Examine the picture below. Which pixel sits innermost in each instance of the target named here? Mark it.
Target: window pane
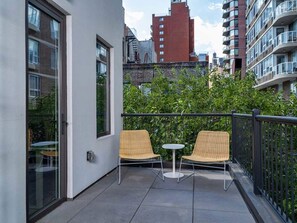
(102, 90)
(33, 16)
(33, 52)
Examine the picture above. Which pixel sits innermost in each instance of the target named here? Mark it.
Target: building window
(161, 32)
(34, 86)
(54, 59)
(54, 29)
(161, 26)
(33, 52)
(294, 88)
(33, 16)
(161, 45)
(161, 39)
(161, 59)
(102, 89)
(161, 52)
(161, 19)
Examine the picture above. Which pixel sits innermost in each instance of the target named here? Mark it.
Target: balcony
(267, 161)
(282, 72)
(226, 31)
(226, 13)
(226, 22)
(285, 13)
(226, 40)
(143, 197)
(226, 49)
(226, 4)
(285, 42)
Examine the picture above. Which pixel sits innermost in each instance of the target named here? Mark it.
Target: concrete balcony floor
(142, 197)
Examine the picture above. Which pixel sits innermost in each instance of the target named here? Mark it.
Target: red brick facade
(177, 31)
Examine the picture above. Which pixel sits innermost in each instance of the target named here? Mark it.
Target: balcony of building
(226, 49)
(226, 31)
(226, 40)
(258, 167)
(226, 22)
(285, 42)
(282, 72)
(226, 13)
(226, 4)
(285, 13)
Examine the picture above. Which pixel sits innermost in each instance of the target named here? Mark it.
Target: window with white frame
(102, 89)
(161, 32)
(33, 16)
(161, 52)
(161, 59)
(161, 26)
(161, 19)
(54, 29)
(161, 39)
(161, 45)
(34, 86)
(33, 52)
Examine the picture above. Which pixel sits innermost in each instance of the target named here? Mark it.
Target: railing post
(234, 133)
(257, 163)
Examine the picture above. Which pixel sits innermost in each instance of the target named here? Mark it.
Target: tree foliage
(197, 93)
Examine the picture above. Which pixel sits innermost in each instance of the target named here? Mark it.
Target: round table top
(173, 146)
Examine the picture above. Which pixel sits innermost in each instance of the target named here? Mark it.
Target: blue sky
(207, 15)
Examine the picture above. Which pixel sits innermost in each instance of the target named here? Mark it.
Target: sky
(206, 13)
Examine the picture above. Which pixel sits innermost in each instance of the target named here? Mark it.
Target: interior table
(173, 147)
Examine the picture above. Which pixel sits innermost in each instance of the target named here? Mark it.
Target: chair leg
(226, 187)
(161, 163)
(193, 173)
(119, 171)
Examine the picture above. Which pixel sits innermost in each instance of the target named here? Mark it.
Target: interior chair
(50, 156)
(211, 147)
(136, 148)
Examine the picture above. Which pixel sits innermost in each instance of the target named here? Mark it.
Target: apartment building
(272, 43)
(173, 34)
(234, 35)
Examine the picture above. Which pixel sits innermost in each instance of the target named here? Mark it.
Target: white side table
(173, 147)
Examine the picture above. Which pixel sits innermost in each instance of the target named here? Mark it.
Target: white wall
(84, 23)
(12, 112)
(85, 20)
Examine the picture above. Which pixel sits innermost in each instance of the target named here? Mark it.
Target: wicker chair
(211, 147)
(135, 147)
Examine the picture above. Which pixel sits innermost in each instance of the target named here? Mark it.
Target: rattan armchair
(136, 148)
(211, 147)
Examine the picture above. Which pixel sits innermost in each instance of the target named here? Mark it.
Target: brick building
(173, 34)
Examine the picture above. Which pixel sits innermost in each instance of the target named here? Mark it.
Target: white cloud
(215, 6)
(133, 18)
(208, 37)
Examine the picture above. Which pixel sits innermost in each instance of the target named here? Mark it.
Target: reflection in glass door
(44, 111)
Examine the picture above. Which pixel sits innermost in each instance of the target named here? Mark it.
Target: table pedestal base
(173, 175)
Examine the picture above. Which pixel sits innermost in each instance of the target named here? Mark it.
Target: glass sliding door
(45, 108)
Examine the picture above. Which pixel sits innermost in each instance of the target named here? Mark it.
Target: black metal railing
(242, 147)
(277, 170)
(264, 146)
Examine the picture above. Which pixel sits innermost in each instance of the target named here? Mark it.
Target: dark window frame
(105, 60)
(55, 13)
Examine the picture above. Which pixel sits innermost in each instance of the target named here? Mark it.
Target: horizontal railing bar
(277, 119)
(175, 114)
(242, 115)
